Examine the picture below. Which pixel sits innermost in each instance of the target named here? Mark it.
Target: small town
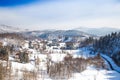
(59, 39)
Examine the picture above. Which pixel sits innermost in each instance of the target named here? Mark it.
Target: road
(110, 64)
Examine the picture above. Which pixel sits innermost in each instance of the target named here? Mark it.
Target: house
(25, 44)
(73, 42)
(62, 45)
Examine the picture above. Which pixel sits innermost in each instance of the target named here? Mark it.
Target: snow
(11, 58)
(115, 67)
(56, 57)
(69, 40)
(7, 28)
(5, 43)
(83, 52)
(42, 57)
(93, 74)
(22, 66)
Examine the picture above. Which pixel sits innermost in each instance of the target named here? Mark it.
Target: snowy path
(108, 63)
(111, 63)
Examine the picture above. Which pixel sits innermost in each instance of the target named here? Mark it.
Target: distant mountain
(98, 31)
(9, 29)
(53, 34)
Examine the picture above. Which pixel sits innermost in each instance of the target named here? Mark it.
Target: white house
(26, 44)
(62, 45)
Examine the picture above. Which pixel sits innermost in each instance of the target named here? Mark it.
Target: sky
(60, 14)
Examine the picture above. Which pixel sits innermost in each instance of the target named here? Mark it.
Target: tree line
(109, 45)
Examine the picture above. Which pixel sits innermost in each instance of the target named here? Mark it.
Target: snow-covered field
(91, 73)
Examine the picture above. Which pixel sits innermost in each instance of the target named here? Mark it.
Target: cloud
(63, 14)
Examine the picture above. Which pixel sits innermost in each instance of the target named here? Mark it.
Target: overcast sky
(60, 14)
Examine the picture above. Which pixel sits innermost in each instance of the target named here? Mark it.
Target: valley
(58, 55)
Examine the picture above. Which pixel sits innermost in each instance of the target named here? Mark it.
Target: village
(59, 46)
(41, 55)
(59, 58)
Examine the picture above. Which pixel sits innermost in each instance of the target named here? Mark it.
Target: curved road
(111, 66)
(108, 63)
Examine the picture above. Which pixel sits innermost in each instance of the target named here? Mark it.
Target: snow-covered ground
(57, 57)
(91, 73)
(83, 52)
(114, 66)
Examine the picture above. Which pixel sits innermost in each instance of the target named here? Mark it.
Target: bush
(5, 71)
(64, 69)
(23, 57)
(29, 75)
(3, 54)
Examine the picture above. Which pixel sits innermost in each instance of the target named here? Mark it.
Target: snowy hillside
(6, 28)
(21, 70)
(36, 60)
(25, 63)
(98, 31)
(56, 33)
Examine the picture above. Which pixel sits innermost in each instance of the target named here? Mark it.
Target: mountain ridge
(98, 31)
(9, 29)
